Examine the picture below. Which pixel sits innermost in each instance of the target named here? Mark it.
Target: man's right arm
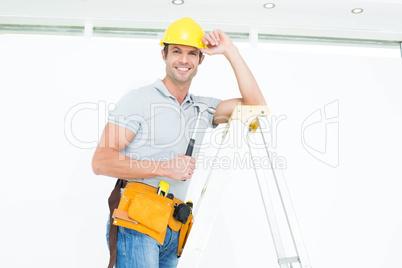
(109, 161)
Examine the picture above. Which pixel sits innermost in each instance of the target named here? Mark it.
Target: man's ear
(163, 55)
(202, 59)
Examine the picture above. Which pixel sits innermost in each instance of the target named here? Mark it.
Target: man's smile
(183, 69)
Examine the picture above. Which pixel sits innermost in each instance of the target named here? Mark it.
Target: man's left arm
(220, 43)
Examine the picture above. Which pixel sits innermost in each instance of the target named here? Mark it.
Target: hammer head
(202, 107)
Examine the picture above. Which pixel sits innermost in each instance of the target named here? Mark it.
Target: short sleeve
(129, 112)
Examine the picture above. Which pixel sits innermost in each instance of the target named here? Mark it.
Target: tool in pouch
(181, 211)
(163, 188)
(149, 210)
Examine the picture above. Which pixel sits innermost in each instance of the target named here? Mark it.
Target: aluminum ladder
(252, 119)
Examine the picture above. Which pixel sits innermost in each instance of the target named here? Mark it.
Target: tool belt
(141, 209)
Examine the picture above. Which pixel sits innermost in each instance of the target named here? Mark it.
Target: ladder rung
(289, 260)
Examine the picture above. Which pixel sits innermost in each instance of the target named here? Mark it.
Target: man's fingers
(186, 176)
(217, 34)
(204, 40)
(183, 167)
(192, 163)
(191, 166)
(189, 159)
(214, 37)
(209, 39)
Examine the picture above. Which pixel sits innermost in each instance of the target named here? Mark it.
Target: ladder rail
(287, 205)
(267, 202)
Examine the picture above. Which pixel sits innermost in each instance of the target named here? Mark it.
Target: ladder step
(289, 260)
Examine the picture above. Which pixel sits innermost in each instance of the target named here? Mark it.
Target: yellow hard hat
(184, 32)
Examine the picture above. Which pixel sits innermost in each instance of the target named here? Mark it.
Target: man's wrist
(161, 169)
(231, 52)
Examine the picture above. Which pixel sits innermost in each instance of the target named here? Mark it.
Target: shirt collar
(189, 98)
(159, 85)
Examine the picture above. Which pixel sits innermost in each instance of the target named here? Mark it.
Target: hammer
(201, 108)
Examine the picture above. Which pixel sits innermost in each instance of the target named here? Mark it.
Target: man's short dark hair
(166, 49)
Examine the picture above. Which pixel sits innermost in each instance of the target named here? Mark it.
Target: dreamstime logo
(320, 134)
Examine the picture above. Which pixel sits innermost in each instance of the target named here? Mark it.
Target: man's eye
(175, 51)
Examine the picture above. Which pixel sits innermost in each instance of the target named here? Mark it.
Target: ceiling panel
(379, 20)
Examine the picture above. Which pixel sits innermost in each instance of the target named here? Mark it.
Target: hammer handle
(190, 147)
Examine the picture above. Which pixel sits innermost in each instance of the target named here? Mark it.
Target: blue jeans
(137, 250)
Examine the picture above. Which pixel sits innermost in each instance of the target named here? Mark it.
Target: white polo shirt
(162, 127)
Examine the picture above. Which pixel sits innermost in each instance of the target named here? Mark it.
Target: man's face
(182, 62)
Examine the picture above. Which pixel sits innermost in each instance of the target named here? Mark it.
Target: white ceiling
(380, 20)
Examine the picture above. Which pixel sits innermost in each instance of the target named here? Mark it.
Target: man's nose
(183, 58)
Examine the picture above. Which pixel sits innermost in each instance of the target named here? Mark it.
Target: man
(147, 135)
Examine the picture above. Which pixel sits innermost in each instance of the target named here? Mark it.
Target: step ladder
(252, 119)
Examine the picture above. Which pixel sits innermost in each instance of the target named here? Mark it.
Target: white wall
(55, 210)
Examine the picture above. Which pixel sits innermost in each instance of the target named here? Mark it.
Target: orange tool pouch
(184, 232)
(141, 209)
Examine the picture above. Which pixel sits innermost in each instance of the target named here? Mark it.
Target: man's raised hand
(218, 43)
